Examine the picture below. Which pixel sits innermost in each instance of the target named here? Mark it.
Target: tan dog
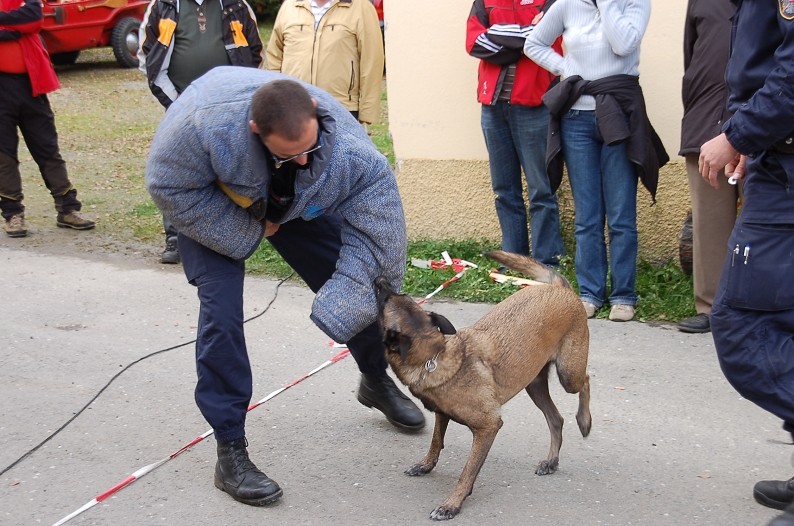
(467, 375)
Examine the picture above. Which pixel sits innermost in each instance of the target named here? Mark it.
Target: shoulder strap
(240, 200)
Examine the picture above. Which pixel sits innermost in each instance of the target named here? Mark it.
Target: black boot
(381, 393)
(239, 477)
(774, 493)
(170, 255)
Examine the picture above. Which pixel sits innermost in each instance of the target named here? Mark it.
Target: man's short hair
(282, 107)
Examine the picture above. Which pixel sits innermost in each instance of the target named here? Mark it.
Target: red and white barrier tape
(151, 467)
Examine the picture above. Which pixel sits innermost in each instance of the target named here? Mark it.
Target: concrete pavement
(672, 442)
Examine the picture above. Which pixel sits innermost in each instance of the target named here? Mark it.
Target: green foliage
(265, 9)
(267, 261)
(665, 292)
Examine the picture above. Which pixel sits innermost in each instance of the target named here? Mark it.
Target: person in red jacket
(515, 124)
(26, 76)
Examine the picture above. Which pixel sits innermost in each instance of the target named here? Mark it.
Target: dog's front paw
(418, 470)
(547, 467)
(444, 513)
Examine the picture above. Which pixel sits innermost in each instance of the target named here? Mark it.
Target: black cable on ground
(78, 413)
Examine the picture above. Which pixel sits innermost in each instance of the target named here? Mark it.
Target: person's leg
(312, 248)
(37, 124)
(752, 318)
(713, 216)
(505, 177)
(11, 207)
(619, 188)
(529, 126)
(582, 150)
(224, 386)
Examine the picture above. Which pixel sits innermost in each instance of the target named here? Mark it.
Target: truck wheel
(124, 41)
(66, 58)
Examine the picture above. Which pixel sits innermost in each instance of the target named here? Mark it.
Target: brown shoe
(15, 226)
(74, 220)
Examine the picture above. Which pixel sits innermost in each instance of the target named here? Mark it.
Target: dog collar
(432, 363)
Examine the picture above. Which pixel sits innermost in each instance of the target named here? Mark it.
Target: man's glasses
(278, 162)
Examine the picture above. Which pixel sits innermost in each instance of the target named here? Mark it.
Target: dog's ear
(405, 346)
(443, 324)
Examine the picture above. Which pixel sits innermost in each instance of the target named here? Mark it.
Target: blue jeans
(516, 137)
(604, 188)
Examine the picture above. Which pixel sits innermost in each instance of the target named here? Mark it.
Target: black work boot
(381, 393)
(239, 477)
(774, 493)
(170, 255)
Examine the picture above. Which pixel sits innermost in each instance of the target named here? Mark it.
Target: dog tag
(431, 365)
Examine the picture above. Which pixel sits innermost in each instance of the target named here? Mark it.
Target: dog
(468, 375)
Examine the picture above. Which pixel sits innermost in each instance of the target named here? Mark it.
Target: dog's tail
(531, 267)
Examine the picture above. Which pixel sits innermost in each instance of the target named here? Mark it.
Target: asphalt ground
(672, 443)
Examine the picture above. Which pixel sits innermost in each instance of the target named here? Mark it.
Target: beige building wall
(434, 119)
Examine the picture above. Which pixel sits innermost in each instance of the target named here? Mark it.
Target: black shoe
(381, 393)
(699, 323)
(239, 477)
(787, 519)
(171, 253)
(774, 493)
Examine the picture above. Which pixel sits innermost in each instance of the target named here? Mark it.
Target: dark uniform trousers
(34, 118)
(753, 315)
(224, 388)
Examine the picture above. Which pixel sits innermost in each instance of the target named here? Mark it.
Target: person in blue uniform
(753, 314)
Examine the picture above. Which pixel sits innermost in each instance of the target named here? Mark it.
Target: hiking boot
(15, 226)
(170, 255)
(774, 493)
(239, 477)
(380, 393)
(621, 313)
(74, 220)
(589, 308)
(696, 324)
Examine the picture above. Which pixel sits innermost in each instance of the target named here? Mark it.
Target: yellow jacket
(343, 56)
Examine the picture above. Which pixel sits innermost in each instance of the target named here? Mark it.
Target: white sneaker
(621, 313)
(589, 308)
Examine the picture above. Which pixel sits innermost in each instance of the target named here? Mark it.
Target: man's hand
(270, 228)
(715, 156)
(735, 169)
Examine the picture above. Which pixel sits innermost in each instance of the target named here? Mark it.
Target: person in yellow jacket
(335, 45)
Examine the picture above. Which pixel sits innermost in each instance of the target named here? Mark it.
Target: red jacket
(20, 22)
(495, 33)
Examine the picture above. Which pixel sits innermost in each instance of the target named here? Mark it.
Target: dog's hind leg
(583, 417)
(436, 445)
(480, 446)
(538, 390)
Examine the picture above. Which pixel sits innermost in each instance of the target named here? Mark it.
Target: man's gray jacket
(205, 139)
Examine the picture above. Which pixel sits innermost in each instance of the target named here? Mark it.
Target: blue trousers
(604, 189)
(225, 385)
(515, 136)
(752, 319)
